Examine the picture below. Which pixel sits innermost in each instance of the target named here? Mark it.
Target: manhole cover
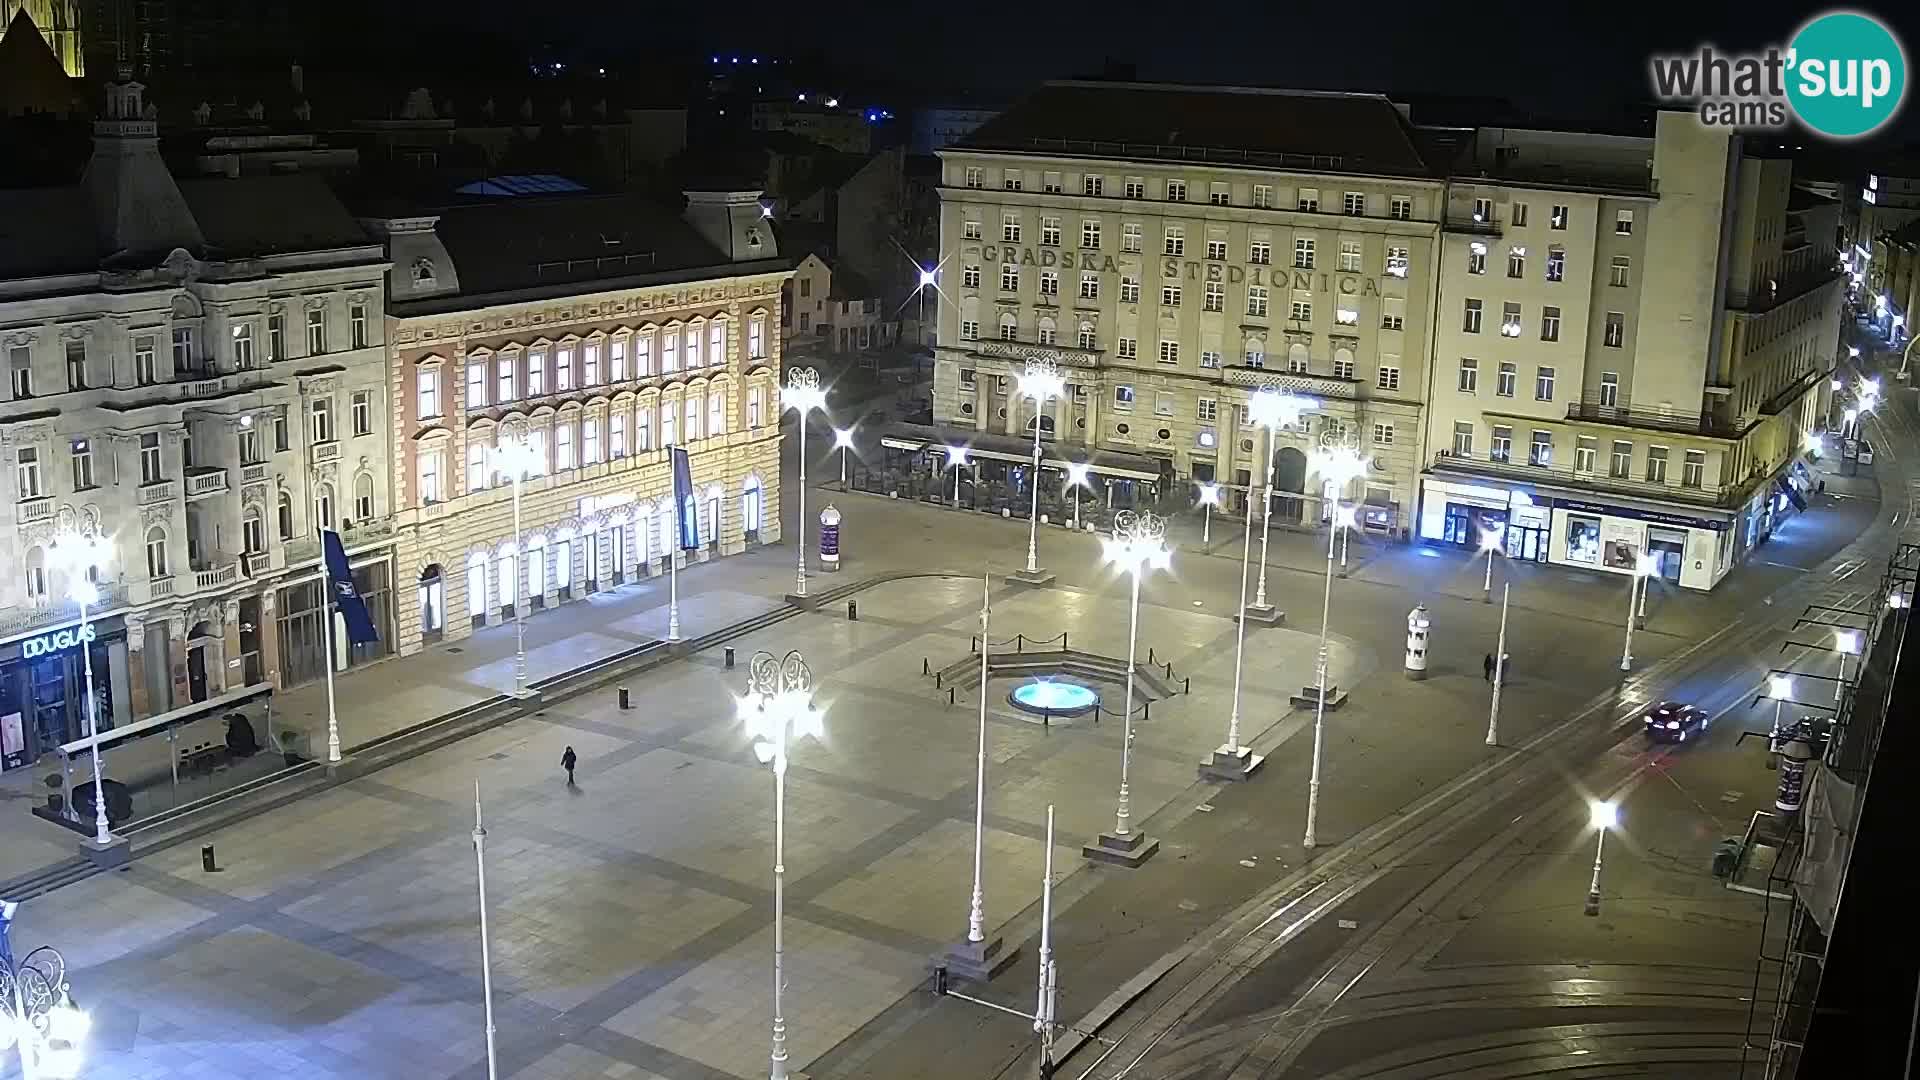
(455, 649)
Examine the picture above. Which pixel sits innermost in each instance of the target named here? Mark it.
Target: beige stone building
(1633, 346)
(630, 331)
(1175, 249)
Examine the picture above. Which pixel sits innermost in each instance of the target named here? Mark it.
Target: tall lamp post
(79, 556)
(843, 442)
(1271, 410)
(957, 457)
(1138, 545)
(1604, 816)
(1231, 761)
(976, 957)
(1041, 381)
(517, 457)
(37, 1014)
(1845, 643)
(1643, 565)
(1077, 474)
(1780, 689)
(1489, 543)
(1339, 462)
(486, 939)
(777, 710)
(1209, 498)
(803, 395)
(1499, 667)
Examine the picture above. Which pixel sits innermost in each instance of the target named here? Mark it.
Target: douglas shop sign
(57, 641)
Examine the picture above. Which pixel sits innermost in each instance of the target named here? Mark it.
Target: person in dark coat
(1488, 666)
(567, 761)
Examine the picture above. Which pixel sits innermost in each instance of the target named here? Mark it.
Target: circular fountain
(1049, 698)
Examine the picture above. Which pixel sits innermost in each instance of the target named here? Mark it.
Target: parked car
(1673, 722)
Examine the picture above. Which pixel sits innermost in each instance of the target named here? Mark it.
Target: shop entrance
(1527, 542)
(1669, 547)
(1465, 524)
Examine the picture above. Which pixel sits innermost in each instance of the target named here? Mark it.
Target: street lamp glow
(1780, 687)
(956, 455)
(1210, 494)
(1812, 441)
(1079, 474)
(1041, 381)
(1853, 353)
(927, 277)
(804, 394)
(777, 710)
(1137, 545)
(1338, 462)
(1603, 815)
(1872, 387)
(1271, 410)
(80, 555)
(842, 438)
(1847, 641)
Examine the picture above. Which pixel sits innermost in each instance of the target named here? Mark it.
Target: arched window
(157, 552)
(1009, 327)
(1048, 333)
(1256, 352)
(1297, 358)
(717, 409)
(323, 506)
(283, 511)
(1343, 363)
(363, 497)
(537, 571)
(752, 506)
(37, 574)
(1046, 425)
(432, 599)
(253, 530)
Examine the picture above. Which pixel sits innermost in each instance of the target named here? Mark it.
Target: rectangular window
(1387, 378)
(1549, 324)
(669, 423)
(1169, 352)
(1298, 364)
(1216, 250)
(1091, 185)
(1130, 236)
(1483, 210)
(1257, 301)
(1556, 264)
(276, 338)
(669, 352)
(1616, 331)
(506, 378)
(429, 478)
(1089, 286)
(1469, 375)
(249, 440)
(1383, 434)
(1506, 380)
(1260, 253)
(1215, 298)
(1355, 204)
(427, 387)
(971, 230)
(1219, 195)
(1263, 196)
(970, 277)
(1209, 358)
(1516, 261)
(1308, 201)
(1393, 313)
(1693, 470)
(1476, 258)
(1656, 464)
(1397, 260)
(1136, 188)
(1049, 283)
(320, 419)
(1045, 333)
(1462, 438)
(617, 436)
(1509, 319)
(1009, 277)
(1088, 339)
(716, 413)
(1162, 404)
(76, 365)
(1400, 208)
(476, 467)
(1470, 322)
(643, 356)
(1010, 229)
(27, 473)
(145, 371)
(1558, 219)
(316, 331)
(282, 430)
(694, 335)
(1609, 389)
(590, 363)
(1011, 180)
(1049, 232)
(1303, 253)
(1350, 256)
(643, 430)
(536, 372)
(1622, 464)
(357, 324)
(1540, 454)
(1342, 369)
(1500, 448)
(1009, 330)
(183, 349)
(1090, 235)
(1123, 398)
(151, 471)
(1127, 348)
(360, 411)
(1174, 242)
(1346, 316)
(1619, 271)
(1517, 214)
(969, 330)
(1585, 449)
(617, 360)
(753, 408)
(1207, 411)
(563, 446)
(1169, 296)
(1176, 191)
(1543, 384)
(1050, 183)
(1623, 222)
(242, 345)
(975, 177)
(756, 337)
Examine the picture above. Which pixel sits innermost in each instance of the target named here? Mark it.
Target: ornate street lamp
(37, 1014)
(803, 394)
(1337, 462)
(1041, 382)
(79, 556)
(516, 456)
(1271, 410)
(1138, 545)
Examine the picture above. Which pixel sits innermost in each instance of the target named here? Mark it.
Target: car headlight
(1673, 723)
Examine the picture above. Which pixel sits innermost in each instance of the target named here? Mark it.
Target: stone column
(270, 637)
(177, 634)
(232, 677)
(137, 667)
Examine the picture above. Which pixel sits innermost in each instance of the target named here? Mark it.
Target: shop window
(1583, 540)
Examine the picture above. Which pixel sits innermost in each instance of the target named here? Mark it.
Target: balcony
(255, 563)
(204, 480)
(151, 589)
(1448, 461)
(159, 491)
(254, 474)
(1325, 386)
(1621, 413)
(22, 620)
(1467, 223)
(216, 577)
(1021, 352)
(34, 511)
(360, 534)
(324, 452)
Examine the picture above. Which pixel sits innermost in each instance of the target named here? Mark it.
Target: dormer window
(423, 271)
(753, 237)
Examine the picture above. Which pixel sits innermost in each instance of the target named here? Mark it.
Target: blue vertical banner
(685, 508)
(346, 596)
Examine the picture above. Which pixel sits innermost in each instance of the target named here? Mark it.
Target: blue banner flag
(346, 597)
(687, 510)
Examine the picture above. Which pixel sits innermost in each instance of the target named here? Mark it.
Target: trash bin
(1726, 857)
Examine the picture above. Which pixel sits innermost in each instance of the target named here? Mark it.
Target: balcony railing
(324, 452)
(205, 480)
(1622, 413)
(35, 510)
(216, 577)
(159, 587)
(1292, 382)
(1467, 223)
(253, 474)
(160, 491)
(308, 547)
(1567, 476)
(256, 563)
(111, 595)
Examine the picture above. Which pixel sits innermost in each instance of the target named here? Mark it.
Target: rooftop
(1354, 133)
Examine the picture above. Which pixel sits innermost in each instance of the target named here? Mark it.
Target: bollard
(853, 612)
(936, 680)
(1186, 685)
(926, 665)
(626, 699)
(729, 656)
(1150, 659)
(1169, 671)
(1146, 710)
(206, 859)
(949, 695)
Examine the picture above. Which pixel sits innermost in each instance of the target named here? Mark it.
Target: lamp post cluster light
(38, 1018)
(1270, 410)
(1338, 462)
(1138, 545)
(1041, 382)
(80, 555)
(803, 395)
(516, 456)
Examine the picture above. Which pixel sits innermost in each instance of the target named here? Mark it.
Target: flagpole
(673, 552)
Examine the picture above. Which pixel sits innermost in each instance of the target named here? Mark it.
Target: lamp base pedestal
(977, 961)
(527, 695)
(1593, 903)
(804, 603)
(114, 853)
(1265, 614)
(1035, 578)
(1130, 851)
(1228, 764)
(1309, 698)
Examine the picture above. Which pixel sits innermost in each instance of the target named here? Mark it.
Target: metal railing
(1621, 411)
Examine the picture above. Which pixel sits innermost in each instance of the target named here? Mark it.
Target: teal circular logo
(1846, 74)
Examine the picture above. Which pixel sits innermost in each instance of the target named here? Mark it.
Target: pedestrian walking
(567, 761)
(1488, 667)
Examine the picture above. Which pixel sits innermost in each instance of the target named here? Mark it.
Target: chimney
(734, 222)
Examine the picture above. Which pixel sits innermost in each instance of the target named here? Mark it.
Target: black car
(1671, 721)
